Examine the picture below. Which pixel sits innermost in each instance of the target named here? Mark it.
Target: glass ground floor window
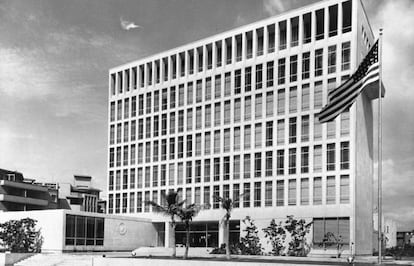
(205, 234)
(160, 228)
(338, 226)
(84, 230)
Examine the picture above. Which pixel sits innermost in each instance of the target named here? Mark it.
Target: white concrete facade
(193, 119)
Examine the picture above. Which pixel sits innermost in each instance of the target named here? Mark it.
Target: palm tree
(186, 215)
(171, 209)
(227, 205)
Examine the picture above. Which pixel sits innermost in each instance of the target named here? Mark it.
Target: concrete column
(222, 232)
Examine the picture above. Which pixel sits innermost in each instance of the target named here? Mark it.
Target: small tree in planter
(186, 215)
(250, 243)
(276, 235)
(21, 236)
(298, 229)
(330, 239)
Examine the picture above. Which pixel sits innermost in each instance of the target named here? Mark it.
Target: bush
(250, 243)
(234, 249)
(298, 229)
(21, 236)
(276, 235)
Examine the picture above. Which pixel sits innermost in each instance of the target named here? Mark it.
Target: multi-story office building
(237, 113)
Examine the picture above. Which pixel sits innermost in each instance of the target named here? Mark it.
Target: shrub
(234, 249)
(250, 243)
(298, 229)
(276, 235)
(21, 236)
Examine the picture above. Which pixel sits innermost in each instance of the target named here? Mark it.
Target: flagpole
(380, 150)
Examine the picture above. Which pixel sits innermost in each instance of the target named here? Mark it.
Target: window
(344, 155)
(227, 84)
(237, 81)
(330, 157)
(126, 108)
(189, 170)
(282, 35)
(207, 94)
(219, 53)
(198, 144)
(258, 106)
(281, 101)
(320, 24)
(258, 135)
(304, 159)
(111, 180)
(247, 108)
(304, 191)
(333, 20)
(294, 33)
(180, 173)
(238, 47)
(259, 34)
(271, 38)
(207, 197)
(293, 68)
(280, 163)
(293, 100)
(345, 123)
(199, 91)
(246, 192)
(292, 130)
(199, 118)
(216, 169)
(248, 79)
(331, 59)
(227, 111)
(132, 202)
(237, 110)
(126, 131)
(269, 134)
(236, 139)
(317, 158)
(164, 124)
(155, 176)
(247, 137)
(227, 140)
(226, 168)
(257, 164)
(268, 193)
(317, 98)
(292, 161)
(112, 134)
(188, 196)
(217, 141)
(119, 110)
(217, 114)
(269, 74)
(199, 58)
(344, 189)
(337, 226)
(259, 76)
(236, 195)
(133, 130)
(346, 16)
(280, 193)
(228, 43)
(189, 119)
(207, 116)
(269, 104)
(269, 163)
(198, 171)
(164, 99)
(236, 167)
(317, 128)
(317, 191)
(190, 93)
(307, 27)
(330, 129)
(246, 166)
(281, 71)
(207, 170)
(207, 143)
(85, 231)
(330, 190)
(280, 132)
(305, 128)
(346, 56)
(318, 62)
(305, 65)
(112, 111)
(257, 194)
(189, 145)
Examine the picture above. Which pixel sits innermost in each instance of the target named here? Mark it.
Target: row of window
(294, 126)
(283, 34)
(291, 161)
(292, 192)
(203, 92)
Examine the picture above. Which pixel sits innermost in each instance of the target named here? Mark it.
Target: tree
(276, 235)
(330, 239)
(171, 209)
(298, 230)
(21, 235)
(227, 205)
(186, 215)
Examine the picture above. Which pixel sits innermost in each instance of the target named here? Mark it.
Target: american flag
(341, 98)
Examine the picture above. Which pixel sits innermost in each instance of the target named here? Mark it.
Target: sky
(54, 62)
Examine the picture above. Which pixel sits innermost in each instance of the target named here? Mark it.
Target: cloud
(274, 7)
(128, 25)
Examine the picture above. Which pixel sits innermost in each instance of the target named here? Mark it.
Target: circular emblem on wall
(122, 229)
